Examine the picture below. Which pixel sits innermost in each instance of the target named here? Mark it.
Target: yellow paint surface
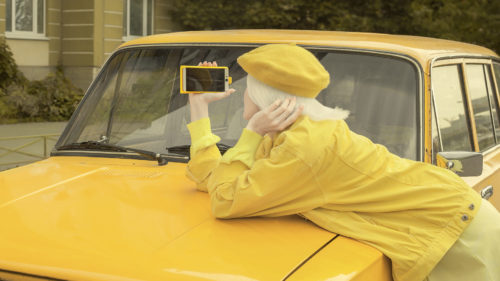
(117, 219)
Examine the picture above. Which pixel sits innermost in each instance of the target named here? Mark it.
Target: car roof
(421, 48)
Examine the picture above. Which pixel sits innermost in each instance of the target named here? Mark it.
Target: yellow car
(113, 202)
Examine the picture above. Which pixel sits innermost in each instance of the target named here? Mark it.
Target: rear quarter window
(483, 104)
(448, 93)
(465, 106)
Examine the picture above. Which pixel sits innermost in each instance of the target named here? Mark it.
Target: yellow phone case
(183, 91)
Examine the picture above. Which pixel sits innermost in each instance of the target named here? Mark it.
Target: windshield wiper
(96, 145)
(184, 149)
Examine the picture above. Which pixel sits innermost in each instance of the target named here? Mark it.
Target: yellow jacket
(411, 211)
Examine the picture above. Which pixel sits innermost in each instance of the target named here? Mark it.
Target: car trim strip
(308, 258)
(31, 275)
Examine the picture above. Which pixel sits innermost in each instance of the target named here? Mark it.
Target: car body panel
(421, 48)
(490, 176)
(78, 218)
(348, 266)
(105, 218)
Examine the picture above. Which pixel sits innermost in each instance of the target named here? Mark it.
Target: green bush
(9, 73)
(53, 98)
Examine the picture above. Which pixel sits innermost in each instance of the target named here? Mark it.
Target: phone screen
(205, 79)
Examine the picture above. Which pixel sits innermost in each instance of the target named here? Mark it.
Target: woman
(304, 160)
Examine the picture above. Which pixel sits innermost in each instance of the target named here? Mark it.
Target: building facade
(78, 35)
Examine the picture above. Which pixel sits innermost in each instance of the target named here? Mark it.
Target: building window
(25, 18)
(137, 18)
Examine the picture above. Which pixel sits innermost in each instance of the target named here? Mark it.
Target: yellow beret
(286, 67)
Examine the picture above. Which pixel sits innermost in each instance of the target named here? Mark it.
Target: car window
(381, 94)
(135, 101)
(131, 96)
(494, 96)
(496, 68)
(494, 104)
(483, 104)
(448, 96)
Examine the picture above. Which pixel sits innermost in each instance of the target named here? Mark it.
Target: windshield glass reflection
(136, 103)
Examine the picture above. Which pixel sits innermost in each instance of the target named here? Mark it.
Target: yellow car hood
(83, 218)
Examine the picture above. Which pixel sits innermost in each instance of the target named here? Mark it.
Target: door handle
(487, 192)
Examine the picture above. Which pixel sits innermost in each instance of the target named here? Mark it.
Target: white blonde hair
(263, 95)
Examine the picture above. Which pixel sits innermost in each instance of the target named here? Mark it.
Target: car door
(466, 115)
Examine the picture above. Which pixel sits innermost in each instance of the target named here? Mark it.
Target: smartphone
(204, 79)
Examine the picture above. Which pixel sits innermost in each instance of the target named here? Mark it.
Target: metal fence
(22, 150)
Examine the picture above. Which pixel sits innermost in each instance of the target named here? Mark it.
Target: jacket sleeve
(205, 155)
(281, 184)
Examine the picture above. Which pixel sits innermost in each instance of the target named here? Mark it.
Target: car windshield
(135, 100)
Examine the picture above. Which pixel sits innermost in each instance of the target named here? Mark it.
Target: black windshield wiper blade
(180, 149)
(96, 145)
(184, 149)
(223, 147)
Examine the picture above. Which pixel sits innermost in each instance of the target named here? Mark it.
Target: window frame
(18, 34)
(471, 122)
(488, 75)
(127, 36)
(421, 154)
(496, 87)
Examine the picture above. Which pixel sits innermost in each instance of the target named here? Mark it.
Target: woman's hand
(276, 117)
(199, 102)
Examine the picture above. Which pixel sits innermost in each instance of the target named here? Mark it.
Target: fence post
(45, 146)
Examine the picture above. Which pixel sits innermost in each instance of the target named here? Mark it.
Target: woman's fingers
(277, 107)
(284, 109)
(282, 113)
(276, 117)
(291, 118)
(211, 97)
(290, 107)
(273, 106)
(228, 93)
(208, 63)
(287, 110)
